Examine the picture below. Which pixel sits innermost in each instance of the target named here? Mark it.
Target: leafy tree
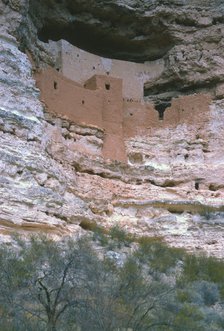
(76, 286)
(40, 282)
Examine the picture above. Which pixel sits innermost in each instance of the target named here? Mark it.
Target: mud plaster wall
(98, 104)
(142, 118)
(188, 109)
(112, 115)
(80, 65)
(62, 96)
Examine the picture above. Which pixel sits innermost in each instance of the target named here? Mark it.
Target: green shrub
(189, 318)
(159, 256)
(88, 225)
(119, 237)
(202, 267)
(46, 285)
(99, 234)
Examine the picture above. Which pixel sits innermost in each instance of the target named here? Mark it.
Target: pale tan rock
(52, 173)
(220, 91)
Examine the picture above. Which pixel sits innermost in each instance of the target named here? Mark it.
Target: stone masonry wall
(98, 104)
(142, 118)
(63, 96)
(77, 64)
(52, 174)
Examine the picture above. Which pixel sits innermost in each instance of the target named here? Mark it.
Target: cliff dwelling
(109, 94)
(126, 126)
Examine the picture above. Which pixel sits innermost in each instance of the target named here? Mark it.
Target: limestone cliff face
(52, 176)
(187, 35)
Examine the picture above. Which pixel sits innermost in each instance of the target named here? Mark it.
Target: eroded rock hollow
(112, 112)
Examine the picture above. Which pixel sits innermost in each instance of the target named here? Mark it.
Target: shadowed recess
(103, 42)
(111, 30)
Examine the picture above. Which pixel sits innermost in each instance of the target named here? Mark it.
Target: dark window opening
(57, 69)
(196, 185)
(77, 55)
(186, 156)
(107, 87)
(83, 102)
(145, 92)
(161, 107)
(213, 187)
(108, 73)
(131, 114)
(94, 68)
(55, 85)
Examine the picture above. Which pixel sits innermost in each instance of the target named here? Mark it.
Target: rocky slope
(173, 185)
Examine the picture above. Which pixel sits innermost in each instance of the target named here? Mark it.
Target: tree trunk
(51, 325)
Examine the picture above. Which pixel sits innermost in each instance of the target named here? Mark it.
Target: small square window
(107, 87)
(196, 185)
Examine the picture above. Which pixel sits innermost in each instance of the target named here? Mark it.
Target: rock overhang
(182, 34)
(111, 30)
(172, 160)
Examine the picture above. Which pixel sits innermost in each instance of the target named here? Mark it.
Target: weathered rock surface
(173, 185)
(187, 35)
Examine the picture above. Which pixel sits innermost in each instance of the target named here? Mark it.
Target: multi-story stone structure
(108, 94)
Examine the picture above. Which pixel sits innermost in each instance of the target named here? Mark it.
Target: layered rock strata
(53, 176)
(186, 36)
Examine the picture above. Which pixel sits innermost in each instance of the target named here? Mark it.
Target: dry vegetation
(101, 283)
